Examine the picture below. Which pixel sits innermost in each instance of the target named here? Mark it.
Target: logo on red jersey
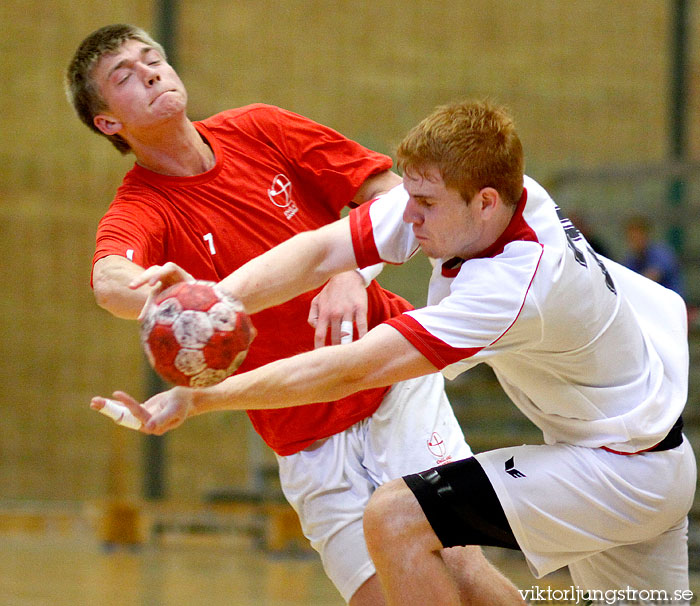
(280, 194)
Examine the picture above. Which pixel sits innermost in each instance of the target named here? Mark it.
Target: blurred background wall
(590, 83)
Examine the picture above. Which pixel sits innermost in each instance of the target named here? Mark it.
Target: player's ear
(106, 124)
(489, 199)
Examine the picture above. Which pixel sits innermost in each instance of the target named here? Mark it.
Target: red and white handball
(196, 335)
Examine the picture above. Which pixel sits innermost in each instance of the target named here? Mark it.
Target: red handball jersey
(276, 174)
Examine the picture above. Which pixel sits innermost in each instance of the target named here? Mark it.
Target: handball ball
(196, 335)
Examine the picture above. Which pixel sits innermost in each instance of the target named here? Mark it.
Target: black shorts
(461, 505)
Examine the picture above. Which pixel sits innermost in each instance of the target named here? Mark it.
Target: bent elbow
(107, 296)
(101, 290)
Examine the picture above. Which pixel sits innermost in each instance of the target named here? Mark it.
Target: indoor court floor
(63, 563)
(74, 569)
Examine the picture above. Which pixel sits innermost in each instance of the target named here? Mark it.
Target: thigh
(566, 503)
(329, 489)
(461, 505)
(330, 483)
(655, 570)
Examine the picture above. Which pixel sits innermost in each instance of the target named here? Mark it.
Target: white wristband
(370, 273)
(120, 414)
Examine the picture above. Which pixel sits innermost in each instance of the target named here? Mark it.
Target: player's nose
(411, 213)
(150, 74)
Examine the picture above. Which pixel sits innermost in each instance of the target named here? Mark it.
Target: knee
(377, 513)
(390, 517)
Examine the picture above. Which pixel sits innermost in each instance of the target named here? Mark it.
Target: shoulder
(136, 198)
(261, 122)
(513, 269)
(255, 113)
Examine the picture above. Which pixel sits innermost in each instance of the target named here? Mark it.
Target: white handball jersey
(594, 354)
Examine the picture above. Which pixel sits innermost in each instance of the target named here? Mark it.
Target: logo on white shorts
(511, 470)
(436, 446)
(280, 194)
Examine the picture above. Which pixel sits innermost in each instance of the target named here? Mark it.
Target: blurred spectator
(652, 258)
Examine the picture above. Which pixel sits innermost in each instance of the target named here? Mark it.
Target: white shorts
(616, 521)
(330, 483)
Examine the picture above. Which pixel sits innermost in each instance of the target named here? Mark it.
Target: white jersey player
(595, 355)
(513, 307)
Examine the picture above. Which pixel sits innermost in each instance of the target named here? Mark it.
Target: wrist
(197, 401)
(207, 399)
(370, 273)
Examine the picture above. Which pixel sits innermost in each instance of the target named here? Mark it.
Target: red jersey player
(213, 194)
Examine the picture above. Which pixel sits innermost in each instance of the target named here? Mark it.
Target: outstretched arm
(296, 266)
(382, 357)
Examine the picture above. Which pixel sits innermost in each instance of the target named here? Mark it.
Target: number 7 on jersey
(209, 239)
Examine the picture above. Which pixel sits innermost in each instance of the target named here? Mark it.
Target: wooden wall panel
(587, 81)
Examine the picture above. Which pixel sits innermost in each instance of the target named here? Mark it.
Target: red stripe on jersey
(451, 268)
(442, 354)
(529, 286)
(438, 352)
(363, 243)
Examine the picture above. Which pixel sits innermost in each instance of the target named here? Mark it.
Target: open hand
(161, 413)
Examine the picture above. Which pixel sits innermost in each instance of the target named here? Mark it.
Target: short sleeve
(378, 231)
(486, 313)
(135, 230)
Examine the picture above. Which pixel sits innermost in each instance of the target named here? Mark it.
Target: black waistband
(673, 438)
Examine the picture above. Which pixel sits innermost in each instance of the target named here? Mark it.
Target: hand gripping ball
(196, 335)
